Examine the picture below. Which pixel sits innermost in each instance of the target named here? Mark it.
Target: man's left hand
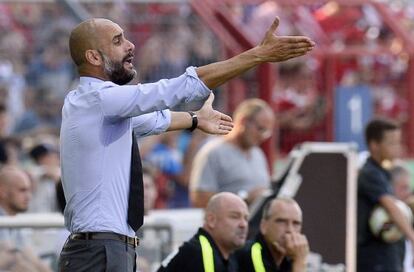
(212, 121)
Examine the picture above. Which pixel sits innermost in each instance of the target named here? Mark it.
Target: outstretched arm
(273, 48)
(209, 120)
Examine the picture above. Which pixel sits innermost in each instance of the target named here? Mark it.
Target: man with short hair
(383, 139)
(224, 230)
(235, 163)
(15, 195)
(101, 173)
(279, 246)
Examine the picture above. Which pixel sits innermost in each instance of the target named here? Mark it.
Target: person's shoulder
(190, 248)
(212, 146)
(192, 245)
(186, 256)
(372, 171)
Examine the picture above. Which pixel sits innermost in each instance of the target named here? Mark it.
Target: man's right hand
(297, 248)
(272, 49)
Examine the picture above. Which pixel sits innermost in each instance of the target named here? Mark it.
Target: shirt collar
(83, 80)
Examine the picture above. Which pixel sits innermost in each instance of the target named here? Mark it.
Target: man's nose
(290, 228)
(243, 223)
(131, 46)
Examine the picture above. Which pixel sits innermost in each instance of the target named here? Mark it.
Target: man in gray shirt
(98, 118)
(235, 163)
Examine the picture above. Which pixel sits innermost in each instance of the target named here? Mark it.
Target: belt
(133, 241)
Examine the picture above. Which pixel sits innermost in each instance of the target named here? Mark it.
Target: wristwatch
(194, 123)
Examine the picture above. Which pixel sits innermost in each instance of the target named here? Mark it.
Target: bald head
(85, 36)
(100, 49)
(275, 204)
(222, 201)
(15, 190)
(9, 175)
(226, 221)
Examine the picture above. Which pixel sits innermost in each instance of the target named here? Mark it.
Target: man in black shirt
(279, 246)
(383, 139)
(224, 230)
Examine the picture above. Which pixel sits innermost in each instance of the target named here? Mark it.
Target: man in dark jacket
(279, 246)
(224, 230)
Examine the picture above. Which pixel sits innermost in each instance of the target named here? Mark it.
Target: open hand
(275, 48)
(212, 121)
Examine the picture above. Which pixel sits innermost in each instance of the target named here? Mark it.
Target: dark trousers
(97, 256)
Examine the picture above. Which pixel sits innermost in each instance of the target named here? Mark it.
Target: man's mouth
(129, 59)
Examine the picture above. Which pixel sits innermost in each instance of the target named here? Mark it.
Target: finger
(295, 55)
(221, 132)
(279, 248)
(273, 27)
(225, 128)
(305, 242)
(227, 124)
(300, 45)
(225, 117)
(297, 39)
(289, 240)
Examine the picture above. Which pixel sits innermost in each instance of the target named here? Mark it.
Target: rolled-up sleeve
(135, 100)
(151, 123)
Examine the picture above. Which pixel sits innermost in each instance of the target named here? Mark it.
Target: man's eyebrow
(117, 36)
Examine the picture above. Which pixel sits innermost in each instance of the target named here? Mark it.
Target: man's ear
(262, 226)
(211, 220)
(372, 145)
(93, 57)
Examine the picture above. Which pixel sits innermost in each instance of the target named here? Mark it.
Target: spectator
(224, 230)
(10, 148)
(15, 195)
(400, 180)
(168, 159)
(383, 139)
(13, 259)
(235, 163)
(45, 172)
(4, 121)
(279, 246)
(149, 251)
(150, 191)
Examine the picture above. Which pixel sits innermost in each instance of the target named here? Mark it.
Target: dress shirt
(97, 122)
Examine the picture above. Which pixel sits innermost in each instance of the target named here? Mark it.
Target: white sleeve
(134, 100)
(151, 123)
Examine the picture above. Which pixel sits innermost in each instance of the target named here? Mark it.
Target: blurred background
(362, 66)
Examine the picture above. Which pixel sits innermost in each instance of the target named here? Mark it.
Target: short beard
(116, 72)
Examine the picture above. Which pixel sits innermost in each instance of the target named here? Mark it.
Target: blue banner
(353, 110)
